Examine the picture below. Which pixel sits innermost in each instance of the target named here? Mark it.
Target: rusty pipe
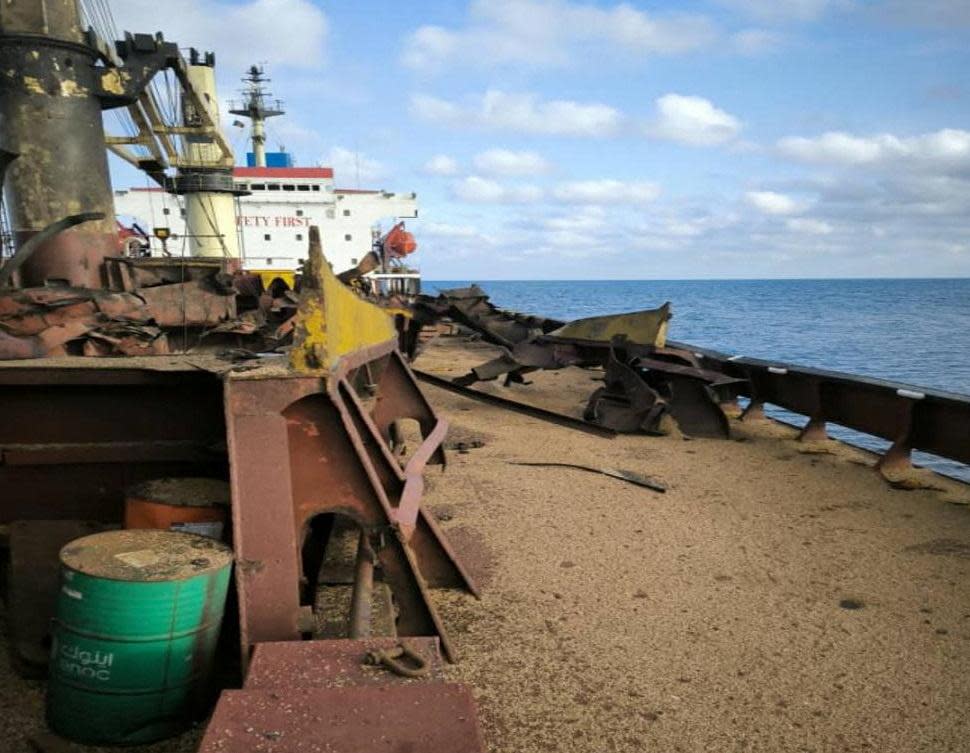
(362, 599)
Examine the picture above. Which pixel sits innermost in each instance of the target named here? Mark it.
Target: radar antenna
(257, 105)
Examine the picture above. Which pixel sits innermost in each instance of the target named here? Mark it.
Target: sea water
(915, 331)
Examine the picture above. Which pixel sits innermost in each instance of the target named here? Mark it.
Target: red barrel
(189, 505)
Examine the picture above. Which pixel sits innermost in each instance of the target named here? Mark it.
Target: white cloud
(444, 230)
(441, 164)
(808, 226)
(586, 219)
(692, 120)
(478, 190)
(685, 119)
(509, 163)
(353, 169)
(770, 202)
(606, 191)
(434, 110)
(522, 113)
(553, 33)
(785, 10)
(429, 46)
(238, 33)
(923, 223)
(947, 149)
(753, 42)
(572, 239)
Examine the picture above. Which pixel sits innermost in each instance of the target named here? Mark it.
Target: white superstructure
(272, 220)
(273, 207)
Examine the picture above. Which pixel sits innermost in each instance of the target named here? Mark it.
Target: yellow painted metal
(331, 319)
(641, 327)
(210, 216)
(398, 311)
(268, 275)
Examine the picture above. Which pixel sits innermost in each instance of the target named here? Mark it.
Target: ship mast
(255, 107)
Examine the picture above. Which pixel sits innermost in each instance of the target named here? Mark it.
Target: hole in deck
(331, 567)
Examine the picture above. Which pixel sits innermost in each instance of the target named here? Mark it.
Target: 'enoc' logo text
(91, 665)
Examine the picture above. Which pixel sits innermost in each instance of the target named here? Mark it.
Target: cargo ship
(276, 202)
(223, 529)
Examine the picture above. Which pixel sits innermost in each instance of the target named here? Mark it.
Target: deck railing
(911, 418)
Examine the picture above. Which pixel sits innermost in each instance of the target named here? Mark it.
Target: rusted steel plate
(41, 240)
(528, 410)
(332, 663)
(82, 491)
(301, 447)
(73, 439)
(422, 717)
(266, 537)
(76, 257)
(188, 304)
(104, 452)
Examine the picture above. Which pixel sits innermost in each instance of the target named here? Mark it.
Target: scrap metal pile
(297, 403)
(315, 434)
(646, 383)
(159, 306)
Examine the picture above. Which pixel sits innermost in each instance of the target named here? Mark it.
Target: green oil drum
(138, 619)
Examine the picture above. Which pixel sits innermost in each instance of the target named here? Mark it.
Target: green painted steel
(138, 619)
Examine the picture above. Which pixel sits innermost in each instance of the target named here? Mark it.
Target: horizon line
(683, 279)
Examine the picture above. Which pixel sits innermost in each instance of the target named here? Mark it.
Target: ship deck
(780, 596)
(709, 618)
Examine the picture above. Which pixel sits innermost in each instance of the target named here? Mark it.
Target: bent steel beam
(23, 253)
(318, 438)
(301, 446)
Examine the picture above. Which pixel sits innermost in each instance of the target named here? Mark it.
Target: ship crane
(57, 163)
(203, 161)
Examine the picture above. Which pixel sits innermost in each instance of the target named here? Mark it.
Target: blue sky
(572, 140)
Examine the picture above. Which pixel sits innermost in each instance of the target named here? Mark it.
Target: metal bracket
(302, 446)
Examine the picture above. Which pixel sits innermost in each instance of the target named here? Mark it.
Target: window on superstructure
(299, 236)
(258, 186)
(299, 212)
(330, 213)
(269, 262)
(166, 210)
(182, 212)
(347, 237)
(273, 186)
(289, 187)
(303, 187)
(266, 237)
(346, 213)
(353, 261)
(315, 188)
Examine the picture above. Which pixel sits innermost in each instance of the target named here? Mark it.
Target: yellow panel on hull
(268, 275)
(332, 320)
(642, 327)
